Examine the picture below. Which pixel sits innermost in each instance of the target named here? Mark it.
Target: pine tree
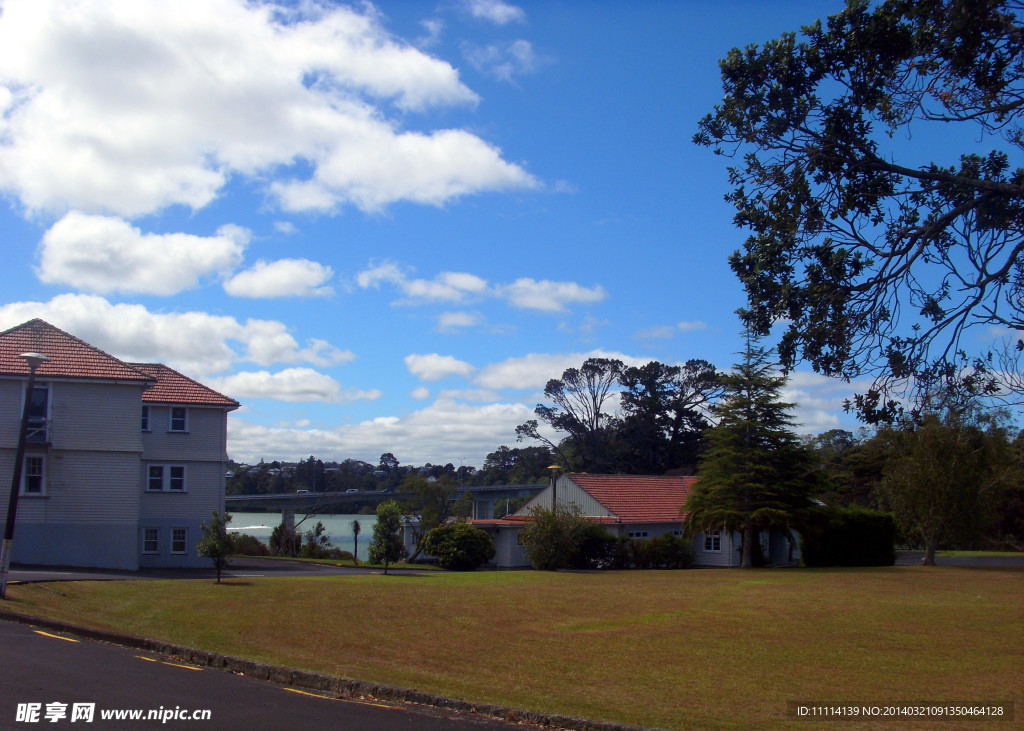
(755, 474)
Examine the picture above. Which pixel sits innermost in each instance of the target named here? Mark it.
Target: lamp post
(553, 469)
(34, 360)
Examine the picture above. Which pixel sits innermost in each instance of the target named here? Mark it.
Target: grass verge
(680, 649)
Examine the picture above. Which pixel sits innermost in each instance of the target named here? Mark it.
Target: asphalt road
(56, 673)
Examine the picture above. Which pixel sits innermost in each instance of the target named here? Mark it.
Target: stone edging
(332, 685)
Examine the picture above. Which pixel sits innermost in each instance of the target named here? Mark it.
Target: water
(337, 528)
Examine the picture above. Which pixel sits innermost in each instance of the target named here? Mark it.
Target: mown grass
(679, 649)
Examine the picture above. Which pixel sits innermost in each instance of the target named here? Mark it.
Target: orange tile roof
(174, 388)
(638, 498)
(69, 357)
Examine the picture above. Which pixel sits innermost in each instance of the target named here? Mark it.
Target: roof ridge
(36, 327)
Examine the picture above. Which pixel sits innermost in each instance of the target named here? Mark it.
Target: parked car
(352, 489)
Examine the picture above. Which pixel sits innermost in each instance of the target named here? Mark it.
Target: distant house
(126, 460)
(629, 506)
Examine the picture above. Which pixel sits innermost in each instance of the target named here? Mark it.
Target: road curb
(333, 685)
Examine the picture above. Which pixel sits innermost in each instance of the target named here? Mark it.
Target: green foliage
(516, 466)
(285, 541)
(216, 541)
(946, 474)
(430, 506)
(459, 546)
(549, 537)
(243, 544)
(386, 547)
(852, 536)
(755, 474)
(877, 260)
(316, 544)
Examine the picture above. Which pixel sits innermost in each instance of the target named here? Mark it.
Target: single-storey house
(123, 463)
(630, 506)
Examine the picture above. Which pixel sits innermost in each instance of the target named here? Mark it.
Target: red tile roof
(637, 498)
(174, 388)
(68, 356)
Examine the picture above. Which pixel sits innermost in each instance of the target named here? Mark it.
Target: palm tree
(355, 539)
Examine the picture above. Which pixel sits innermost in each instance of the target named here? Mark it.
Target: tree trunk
(749, 537)
(929, 553)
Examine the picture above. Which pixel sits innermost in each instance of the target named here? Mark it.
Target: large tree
(946, 475)
(665, 412)
(755, 473)
(580, 397)
(875, 243)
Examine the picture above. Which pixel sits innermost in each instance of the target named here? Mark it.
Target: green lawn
(676, 649)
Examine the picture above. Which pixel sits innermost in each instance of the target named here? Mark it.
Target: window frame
(146, 427)
(23, 490)
(183, 541)
(711, 539)
(638, 535)
(184, 420)
(167, 477)
(155, 541)
(38, 429)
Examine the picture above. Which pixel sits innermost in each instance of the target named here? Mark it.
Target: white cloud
(505, 61)
(129, 106)
(533, 371)
(290, 384)
(657, 332)
(524, 293)
(444, 431)
(818, 401)
(549, 296)
(195, 343)
(454, 321)
(104, 254)
(282, 278)
(434, 367)
(688, 327)
(494, 11)
(420, 394)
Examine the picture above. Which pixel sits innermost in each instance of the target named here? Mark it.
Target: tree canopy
(755, 474)
(878, 259)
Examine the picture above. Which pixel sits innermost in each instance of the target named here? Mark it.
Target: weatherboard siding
(95, 416)
(204, 439)
(204, 483)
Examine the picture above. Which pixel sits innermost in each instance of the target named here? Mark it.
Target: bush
(851, 536)
(592, 546)
(244, 544)
(459, 546)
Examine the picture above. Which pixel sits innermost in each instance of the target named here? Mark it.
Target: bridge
(485, 497)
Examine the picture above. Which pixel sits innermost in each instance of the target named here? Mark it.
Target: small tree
(216, 542)
(386, 547)
(354, 525)
(459, 546)
(550, 536)
(316, 544)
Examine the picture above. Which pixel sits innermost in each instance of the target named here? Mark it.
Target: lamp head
(34, 360)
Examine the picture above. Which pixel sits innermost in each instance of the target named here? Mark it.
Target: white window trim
(170, 420)
(22, 492)
(638, 534)
(156, 541)
(184, 551)
(709, 539)
(165, 477)
(147, 424)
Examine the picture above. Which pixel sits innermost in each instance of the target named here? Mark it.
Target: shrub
(244, 544)
(549, 536)
(852, 536)
(591, 546)
(459, 546)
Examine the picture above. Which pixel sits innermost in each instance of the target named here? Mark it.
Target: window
(151, 540)
(145, 418)
(637, 534)
(677, 533)
(33, 475)
(165, 478)
(713, 541)
(179, 540)
(38, 414)
(179, 418)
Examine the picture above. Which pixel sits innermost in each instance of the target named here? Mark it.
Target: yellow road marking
(56, 637)
(314, 695)
(164, 662)
(147, 659)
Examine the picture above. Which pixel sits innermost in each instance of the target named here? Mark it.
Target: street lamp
(34, 360)
(553, 469)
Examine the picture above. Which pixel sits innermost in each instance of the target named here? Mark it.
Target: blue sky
(384, 227)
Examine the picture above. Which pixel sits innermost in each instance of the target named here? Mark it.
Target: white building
(630, 506)
(124, 461)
